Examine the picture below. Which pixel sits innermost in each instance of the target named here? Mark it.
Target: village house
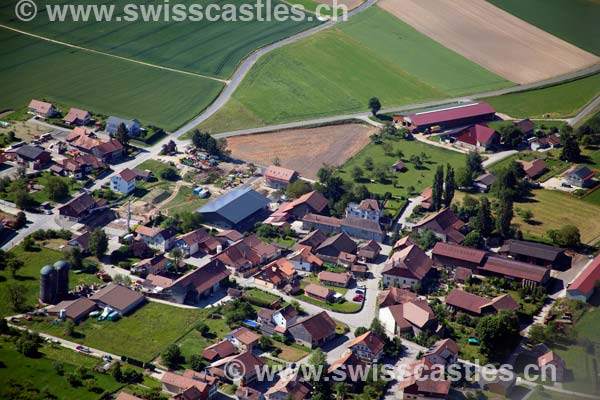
(304, 260)
(347, 259)
(189, 387)
(484, 182)
(552, 366)
(367, 209)
(218, 351)
(477, 138)
(132, 126)
(32, 157)
(243, 338)
(109, 152)
(228, 237)
(398, 166)
(276, 275)
(198, 240)
(546, 142)
(248, 393)
(77, 117)
(443, 352)
(312, 202)
(406, 267)
(157, 264)
(536, 253)
(279, 177)
(526, 126)
(81, 241)
(394, 295)
(78, 208)
(421, 381)
(322, 223)
(426, 199)
(198, 283)
(245, 256)
(534, 168)
(312, 240)
(331, 248)
(348, 365)
(444, 224)
(338, 279)
(404, 242)
(314, 331)
(277, 321)
(42, 109)
(78, 167)
(290, 387)
(362, 228)
(413, 317)
(359, 271)
(123, 182)
(246, 363)
(581, 177)
(319, 292)
(368, 347)
(460, 301)
(368, 251)
(162, 239)
(583, 287)
(119, 298)
(211, 381)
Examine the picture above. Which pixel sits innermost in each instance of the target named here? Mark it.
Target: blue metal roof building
(237, 209)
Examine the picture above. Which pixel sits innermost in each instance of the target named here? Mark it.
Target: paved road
(583, 113)
(35, 222)
(494, 158)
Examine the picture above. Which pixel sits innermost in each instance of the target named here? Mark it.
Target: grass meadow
(336, 71)
(559, 101)
(33, 68)
(578, 26)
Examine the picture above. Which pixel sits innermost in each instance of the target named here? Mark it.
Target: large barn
(238, 209)
(446, 118)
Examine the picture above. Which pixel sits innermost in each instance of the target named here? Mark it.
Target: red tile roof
(76, 113)
(533, 168)
(313, 199)
(336, 277)
(411, 262)
(515, 269)
(127, 175)
(586, 281)
(451, 114)
(277, 173)
(370, 341)
(40, 106)
(458, 252)
(476, 134)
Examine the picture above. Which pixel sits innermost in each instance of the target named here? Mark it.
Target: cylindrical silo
(48, 284)
(62, 274)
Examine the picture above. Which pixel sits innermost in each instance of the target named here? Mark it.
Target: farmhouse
(422, 381)
(279, 177)
(319, 292)
(368, 347)
(314, 331)
(237, 209)
(528, 274)
(78, 117)
(477, 138)
(581, 177)
(158, 238)
(362, 228)
(199, 283)
(406, 267)
(346, 259)
(536, 253)
(394, 295)
(452, 256)
(526, 126)
(109, 152)
(78, 208)
(443, 352)
(119, 298)
(77, 309)
(312, 240)
(153, 265)
(312, 202)
(444, 223)
(547, 142)
(484, 182)
(195, 241)
(460, 301)
(331, 248)
(79, 166)
(367, 209)
(228, 237)
(335, 278)
(81, 241)
(368, 251)
(582, 288)
(247, 365)
(304, 260)
(322, 223)
(549, 362)
(413, 317)
(276, 275)
(243, 338)
(42, 109)
(132, 126)
(534, 168)
(123, 182)
(289, 388)
(187, 387)
(426, 196)
(33, 157)
(246, 255)
(446, 118)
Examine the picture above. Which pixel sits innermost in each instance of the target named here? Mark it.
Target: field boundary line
(226, 82)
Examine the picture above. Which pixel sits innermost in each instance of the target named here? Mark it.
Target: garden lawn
(575, 21)
(101, 84)
(417, 178)
(291, 353)
(554, 164)
(559, 101)
(313, 279)
(336, 71)
(184, 201)
(194, 342)
(42, 195)
(344, 307)
(143, 335)
(260, 296)
(39, 373)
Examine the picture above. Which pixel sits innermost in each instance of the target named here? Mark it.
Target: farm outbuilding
(446, 118)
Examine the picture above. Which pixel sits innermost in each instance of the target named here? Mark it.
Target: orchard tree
(98, 243)
(374, 105)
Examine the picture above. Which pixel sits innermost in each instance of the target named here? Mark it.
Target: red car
(358, 298)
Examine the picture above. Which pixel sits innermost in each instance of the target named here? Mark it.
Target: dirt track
(304, 150)
(491, 37)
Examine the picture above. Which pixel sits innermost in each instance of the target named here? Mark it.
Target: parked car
(83, 349)
(362, 287)
(359, 291)
(107, 358)
(358, 298)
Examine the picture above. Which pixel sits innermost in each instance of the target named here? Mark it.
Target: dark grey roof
(361, 223)
(29, 152)
(236, 205)
(486, 179)
(582, 172)
(531, 249)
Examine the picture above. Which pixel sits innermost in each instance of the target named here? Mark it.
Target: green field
(207, 47)
(575, 21)
(32, 68)
(184, 201)
(412, 176)
(39, 374)
(560, 101)
(336, 71)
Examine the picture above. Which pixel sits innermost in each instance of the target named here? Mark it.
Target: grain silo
(62, 278)
(48, 285)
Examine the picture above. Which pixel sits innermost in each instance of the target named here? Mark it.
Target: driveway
(495, 157)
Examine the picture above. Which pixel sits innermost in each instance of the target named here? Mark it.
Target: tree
(374, 105)
(473, 239)
(474, 164)
(265, 343)
(122, 135)
(464, 178)
(357, 173)
(16, 296)
(56, 188)
(570, 148)
(177, 255)
(388, 150)
(416, 160)
(169, 148)
(380, 173)
(117, 373)
(75, 258)
(296, 306)
(98, 243)
(21, 220)
(504, 217)
(389, 129)
(437, 188)
(399, 154)
(498, 333)
(341, 390)
(369, 164)
(317, 361)
(28, 344)
(252, 168)
(197, 363)
(360, 331)
(484, 221)
(69, 327)
(202, 328)
(168, 174)
(566, 236)
(512, 135)
(298, 188)
(205, 141)
(171, 357)
(527, 215)
(21, 196)
(277, 161)
(449, 185)
(378, 329)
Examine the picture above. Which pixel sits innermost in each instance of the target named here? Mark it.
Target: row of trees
(443, 188)
(205, 141)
